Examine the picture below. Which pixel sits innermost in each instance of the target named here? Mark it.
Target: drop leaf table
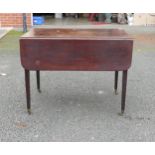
(46, 49)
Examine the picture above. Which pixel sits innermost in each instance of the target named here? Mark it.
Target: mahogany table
(76, 50)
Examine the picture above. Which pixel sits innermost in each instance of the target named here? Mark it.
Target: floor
(66, 21)
(79, 106)
(51, 21)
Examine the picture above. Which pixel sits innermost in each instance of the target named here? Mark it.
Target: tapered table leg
(124, 84)
(27, 85)
(116, 82)
(38, 80)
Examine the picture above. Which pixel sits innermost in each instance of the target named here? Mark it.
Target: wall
(146, 19)
(14, 20)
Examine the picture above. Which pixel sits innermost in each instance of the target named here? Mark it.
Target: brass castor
(29, 111)
(39, 90)
(121, 113)
(116, 92)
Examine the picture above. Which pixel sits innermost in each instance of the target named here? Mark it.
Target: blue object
(38, 20)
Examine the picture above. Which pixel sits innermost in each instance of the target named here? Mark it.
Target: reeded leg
(124, 84)
(38, 80)
(27, 85)
(116, 82)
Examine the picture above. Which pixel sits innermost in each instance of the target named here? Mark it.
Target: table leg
(116, 82)
(124, 84)
(38, 80)
(27, 85)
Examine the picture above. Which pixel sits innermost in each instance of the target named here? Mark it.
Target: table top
(80, 34)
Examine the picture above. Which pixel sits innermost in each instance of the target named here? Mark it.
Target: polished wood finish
(27, 85)
(116, 82)
(80, 34)
(124, 84)
(77, 50)
(38, 80)
(89, 55)
(94, 50)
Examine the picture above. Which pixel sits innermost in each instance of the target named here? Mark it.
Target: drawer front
(91, 55)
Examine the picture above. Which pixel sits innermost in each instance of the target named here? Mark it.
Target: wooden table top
(80, 34)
